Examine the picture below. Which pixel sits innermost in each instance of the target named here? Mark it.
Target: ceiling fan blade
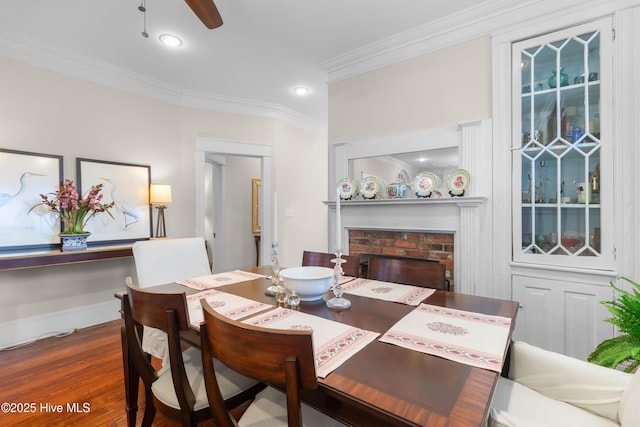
(207, 11)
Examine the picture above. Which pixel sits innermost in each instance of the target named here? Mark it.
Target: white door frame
(210, 146)
(216, 241)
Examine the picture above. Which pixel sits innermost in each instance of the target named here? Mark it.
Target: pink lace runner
(405, 294)
(232, 306)
(220, 279)
(471, 338)
(333, 343)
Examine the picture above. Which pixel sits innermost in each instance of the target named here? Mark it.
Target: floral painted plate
(458, 181)
(348, 188)
(371, 187)
(424, 184)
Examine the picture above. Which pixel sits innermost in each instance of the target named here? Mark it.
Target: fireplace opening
(403, 244)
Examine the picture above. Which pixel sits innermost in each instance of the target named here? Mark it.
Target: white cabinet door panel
(561, 315)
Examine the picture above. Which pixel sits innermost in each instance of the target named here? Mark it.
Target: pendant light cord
(143, 8)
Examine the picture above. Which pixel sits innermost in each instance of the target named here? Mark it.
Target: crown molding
(438, 34)
(235, 105)
(82, 67)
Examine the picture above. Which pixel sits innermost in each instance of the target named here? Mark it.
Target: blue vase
(564, 78)
(74, 242)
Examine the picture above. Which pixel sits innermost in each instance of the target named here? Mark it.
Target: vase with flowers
(74, 212)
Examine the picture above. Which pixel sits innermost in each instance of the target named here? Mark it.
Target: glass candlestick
(338, 303)
(275, 270)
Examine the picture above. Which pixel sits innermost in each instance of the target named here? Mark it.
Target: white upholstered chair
(167, 260)
(550, 389)
(163, 261)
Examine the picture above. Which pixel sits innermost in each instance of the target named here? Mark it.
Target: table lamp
(160, 195)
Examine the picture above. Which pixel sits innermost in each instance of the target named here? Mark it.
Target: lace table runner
(405, 294)
(471, 338)
(229, 305)
(219, 279)
(333, 343)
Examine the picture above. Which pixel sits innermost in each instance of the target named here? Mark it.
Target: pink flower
(74, 211)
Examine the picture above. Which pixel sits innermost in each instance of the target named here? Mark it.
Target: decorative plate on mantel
(458, 181)
(348, 188)
(371, 187)
(424, 184)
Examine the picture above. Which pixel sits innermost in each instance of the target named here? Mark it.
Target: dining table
(382, 384)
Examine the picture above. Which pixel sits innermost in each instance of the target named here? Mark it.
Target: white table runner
(471, 338)
(219, 279)
(405, 294)
(229, 305)
(333, 343)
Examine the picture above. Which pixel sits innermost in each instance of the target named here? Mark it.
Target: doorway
(210, 159)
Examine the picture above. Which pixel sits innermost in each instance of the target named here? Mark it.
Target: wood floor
(54, 377)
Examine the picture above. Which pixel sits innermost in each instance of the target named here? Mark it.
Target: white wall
(47, 112)
(301, 173)
(445, 87)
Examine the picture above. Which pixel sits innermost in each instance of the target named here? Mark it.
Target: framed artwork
(125, 184)
(256, 185)
(23, 177)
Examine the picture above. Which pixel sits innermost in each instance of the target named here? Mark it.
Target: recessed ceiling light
(170, 40)
(301, 90)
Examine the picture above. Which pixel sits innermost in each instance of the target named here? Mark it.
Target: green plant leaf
(614, 351)
(626, 316)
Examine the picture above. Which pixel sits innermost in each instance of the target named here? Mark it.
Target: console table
(30, 259)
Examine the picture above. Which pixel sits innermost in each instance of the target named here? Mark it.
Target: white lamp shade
(160, 193)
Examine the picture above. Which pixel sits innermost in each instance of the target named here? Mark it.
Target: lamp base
(161, 230)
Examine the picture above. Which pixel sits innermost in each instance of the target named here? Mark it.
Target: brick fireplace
(404, 244)
(447, 229)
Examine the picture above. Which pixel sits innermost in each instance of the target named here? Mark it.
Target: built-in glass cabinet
(562, 143)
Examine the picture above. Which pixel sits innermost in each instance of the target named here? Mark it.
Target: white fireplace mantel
(459, 201)
(464, 217)
(458, 216)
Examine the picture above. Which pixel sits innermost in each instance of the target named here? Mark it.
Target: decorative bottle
(564, 78)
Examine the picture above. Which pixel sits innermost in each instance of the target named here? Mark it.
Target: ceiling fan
(207, 12)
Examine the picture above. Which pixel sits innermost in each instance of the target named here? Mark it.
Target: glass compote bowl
(338, 303)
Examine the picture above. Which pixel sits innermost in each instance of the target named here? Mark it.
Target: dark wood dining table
(383, 384)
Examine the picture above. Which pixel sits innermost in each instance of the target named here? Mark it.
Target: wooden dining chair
(408, 271)
(282, 358)
(178, 390)
(161, 261)
(323, 259)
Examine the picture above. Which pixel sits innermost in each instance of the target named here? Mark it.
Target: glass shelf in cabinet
(562, 88)
(530, 205)
(579, 205)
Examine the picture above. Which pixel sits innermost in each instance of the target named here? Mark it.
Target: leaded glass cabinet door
(562, 148)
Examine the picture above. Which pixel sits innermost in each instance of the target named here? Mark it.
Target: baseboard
(25, 330)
